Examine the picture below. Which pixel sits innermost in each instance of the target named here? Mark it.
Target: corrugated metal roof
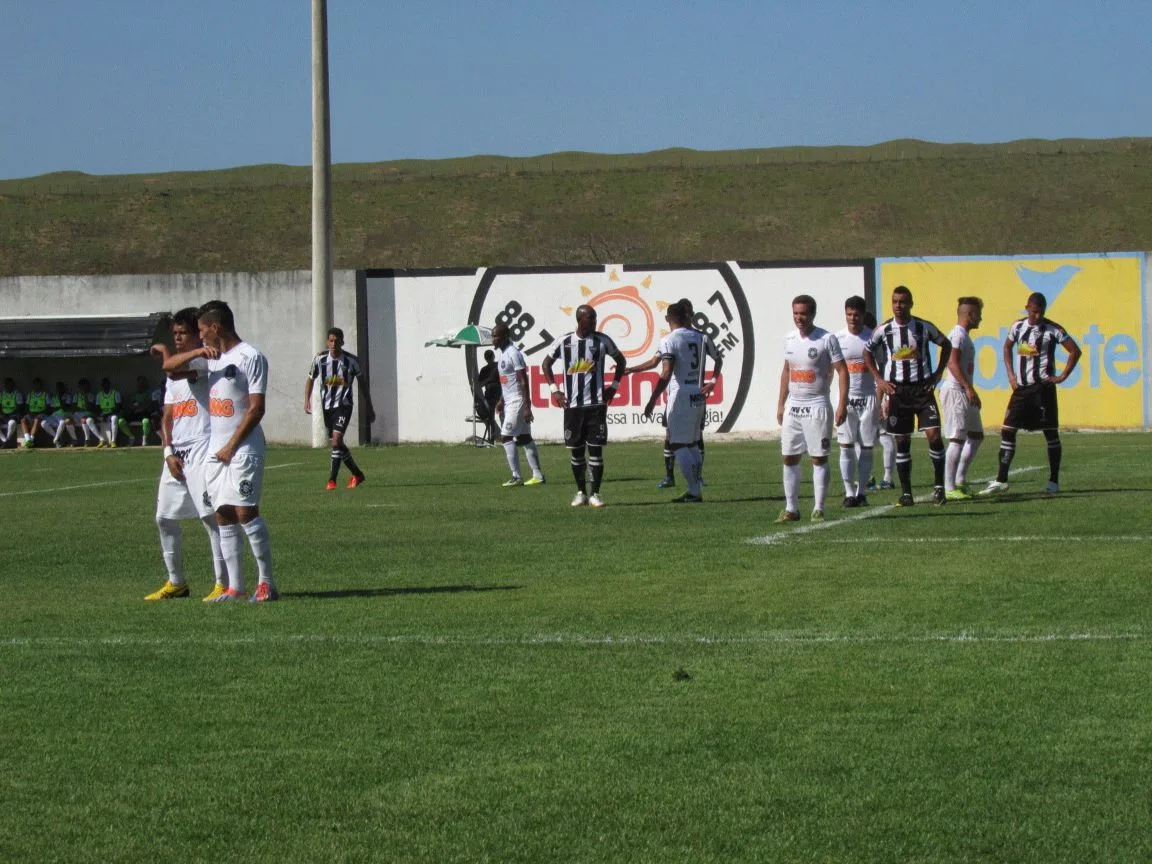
(79, 336)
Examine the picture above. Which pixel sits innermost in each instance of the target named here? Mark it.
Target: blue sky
(125, 86)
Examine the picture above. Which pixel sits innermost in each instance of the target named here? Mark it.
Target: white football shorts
(514, 425)
(958, 417)
(807, 429)
(684, 416)
(861, 424)
(187, 500)
(237, 483)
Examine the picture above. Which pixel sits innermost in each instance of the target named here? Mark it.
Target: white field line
(1035, 538)
(574, 639)
(786, 534)
(114, 483)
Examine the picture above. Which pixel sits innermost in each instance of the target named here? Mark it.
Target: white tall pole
(321, 198)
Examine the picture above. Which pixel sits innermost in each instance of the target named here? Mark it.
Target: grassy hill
(897, 198)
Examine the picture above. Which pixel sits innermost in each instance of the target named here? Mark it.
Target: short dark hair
(1038, 299)
(337, 332)
(687, 304)
(218, 312)
(808, 300)
(189, 317)
(489, 355)
(676, 311)
(970, 301)
(869, 319)
(856, 302)
(903, 289)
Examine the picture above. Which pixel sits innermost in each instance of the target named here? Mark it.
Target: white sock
(951, 461)
(172, 546)
(232, 548)
(6, 434)
(966, 457)
(848, 471)
(888, 444)
(261, 545)
(219, 568)
(533, 459)
(59, 431)
(865, 470)
(112, 421)
(821, 477)
(513, 457)
(792, 488)
(90, 426)
(688, 458)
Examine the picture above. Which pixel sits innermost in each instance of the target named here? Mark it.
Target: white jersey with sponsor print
(687, 349)
(853, 346)
(190, 424)
(963, 347)
(810, 360)
(232, 378)
(509, 361)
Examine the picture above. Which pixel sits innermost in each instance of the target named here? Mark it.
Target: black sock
(669, 461)
(904, 464)
(596, 463)
(579, 468)
(937, 457)
(1007, 451)
(1055, 451)
(335, 469)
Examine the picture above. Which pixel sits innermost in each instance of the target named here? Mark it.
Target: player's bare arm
(179, 362)
(661, 386)
(1069, 345)
(1006, 352)
(557, 396)
(955, 368)
(946, 352)
(618, 376)
(526, 402)
(250, 421)
(649, 364)
(785, 377)
(841, 368)
(174, 462)
(885, 388)
(308, 387)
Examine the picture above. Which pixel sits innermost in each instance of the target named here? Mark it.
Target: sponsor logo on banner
(1096, 299)
(539, 307)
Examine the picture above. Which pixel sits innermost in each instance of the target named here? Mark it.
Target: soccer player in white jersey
(184, 430)
(805, 411)
(960, 403)
(514, 407)
(657, 359)
(683, 355)
(238, 382)
(861, 425)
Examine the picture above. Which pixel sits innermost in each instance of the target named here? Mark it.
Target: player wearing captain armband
(183, 492)
(238, 381)
(805, 410)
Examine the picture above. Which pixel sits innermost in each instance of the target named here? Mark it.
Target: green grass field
(461, 672)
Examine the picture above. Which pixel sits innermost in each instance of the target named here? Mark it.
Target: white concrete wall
(273, 311)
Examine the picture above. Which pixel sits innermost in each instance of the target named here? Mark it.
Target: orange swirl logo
(616, 322)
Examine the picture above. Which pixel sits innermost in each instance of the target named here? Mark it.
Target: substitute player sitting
(805, 411)
(514, 408)
(683, 353)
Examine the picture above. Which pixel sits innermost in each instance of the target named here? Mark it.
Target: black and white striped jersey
(337, 378)
(904, 349)
(583, 360)
(1035, 349)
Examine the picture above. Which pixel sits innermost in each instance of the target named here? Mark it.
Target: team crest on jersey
(230, 372)
(813, 353)
(245, 487)
(206, 499)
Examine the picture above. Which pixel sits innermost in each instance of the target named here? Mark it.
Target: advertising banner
(1097, 299)
(745, 309)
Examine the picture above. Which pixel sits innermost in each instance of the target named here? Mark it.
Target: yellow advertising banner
(1097, 299)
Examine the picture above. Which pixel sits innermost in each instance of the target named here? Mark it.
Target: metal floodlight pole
(321, 198)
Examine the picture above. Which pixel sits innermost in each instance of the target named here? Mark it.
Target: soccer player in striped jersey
(1033, 405)
(960, 403)
(514, 407)
(583, 355)
(684, 353)
(805, 411)
(655, 360)
(909, 382)
(857, 435)
(338, 372)
(183, 493)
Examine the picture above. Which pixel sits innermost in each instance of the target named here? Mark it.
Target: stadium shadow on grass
(349, 593)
